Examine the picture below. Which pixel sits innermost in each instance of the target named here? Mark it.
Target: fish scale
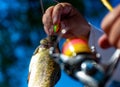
(43, 70)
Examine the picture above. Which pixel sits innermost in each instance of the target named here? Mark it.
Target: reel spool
(87, 68)
(83, 64)
(73, 46)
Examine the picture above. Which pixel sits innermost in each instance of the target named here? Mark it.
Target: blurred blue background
(21, 30)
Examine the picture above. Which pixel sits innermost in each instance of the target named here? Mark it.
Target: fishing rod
(83, 65)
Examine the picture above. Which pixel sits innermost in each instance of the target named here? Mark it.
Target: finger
(60, 10)
(110, 18)
(114, 34)
(103, 42)
(49, 31)
(47, 15)
(64, 29)
(47, 19)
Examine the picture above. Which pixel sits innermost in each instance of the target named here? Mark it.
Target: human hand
(111, 26)
(68, 18)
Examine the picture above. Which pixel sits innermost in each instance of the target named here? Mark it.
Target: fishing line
(62, 32)
(42, 7)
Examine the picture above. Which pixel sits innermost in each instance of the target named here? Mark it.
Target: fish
(43, 70)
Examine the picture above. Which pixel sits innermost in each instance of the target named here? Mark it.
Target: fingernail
(51, 30)
(54, 19)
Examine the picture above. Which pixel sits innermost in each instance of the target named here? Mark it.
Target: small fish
(43, 70)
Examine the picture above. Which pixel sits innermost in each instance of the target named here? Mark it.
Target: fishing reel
(83, 63)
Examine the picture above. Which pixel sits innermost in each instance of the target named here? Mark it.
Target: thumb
(103, 42)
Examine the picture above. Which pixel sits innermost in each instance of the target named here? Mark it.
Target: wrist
(86, 31)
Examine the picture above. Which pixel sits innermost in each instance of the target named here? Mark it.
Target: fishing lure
(77, 59)
(43, 70)
(56, 28)
(82, 63)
